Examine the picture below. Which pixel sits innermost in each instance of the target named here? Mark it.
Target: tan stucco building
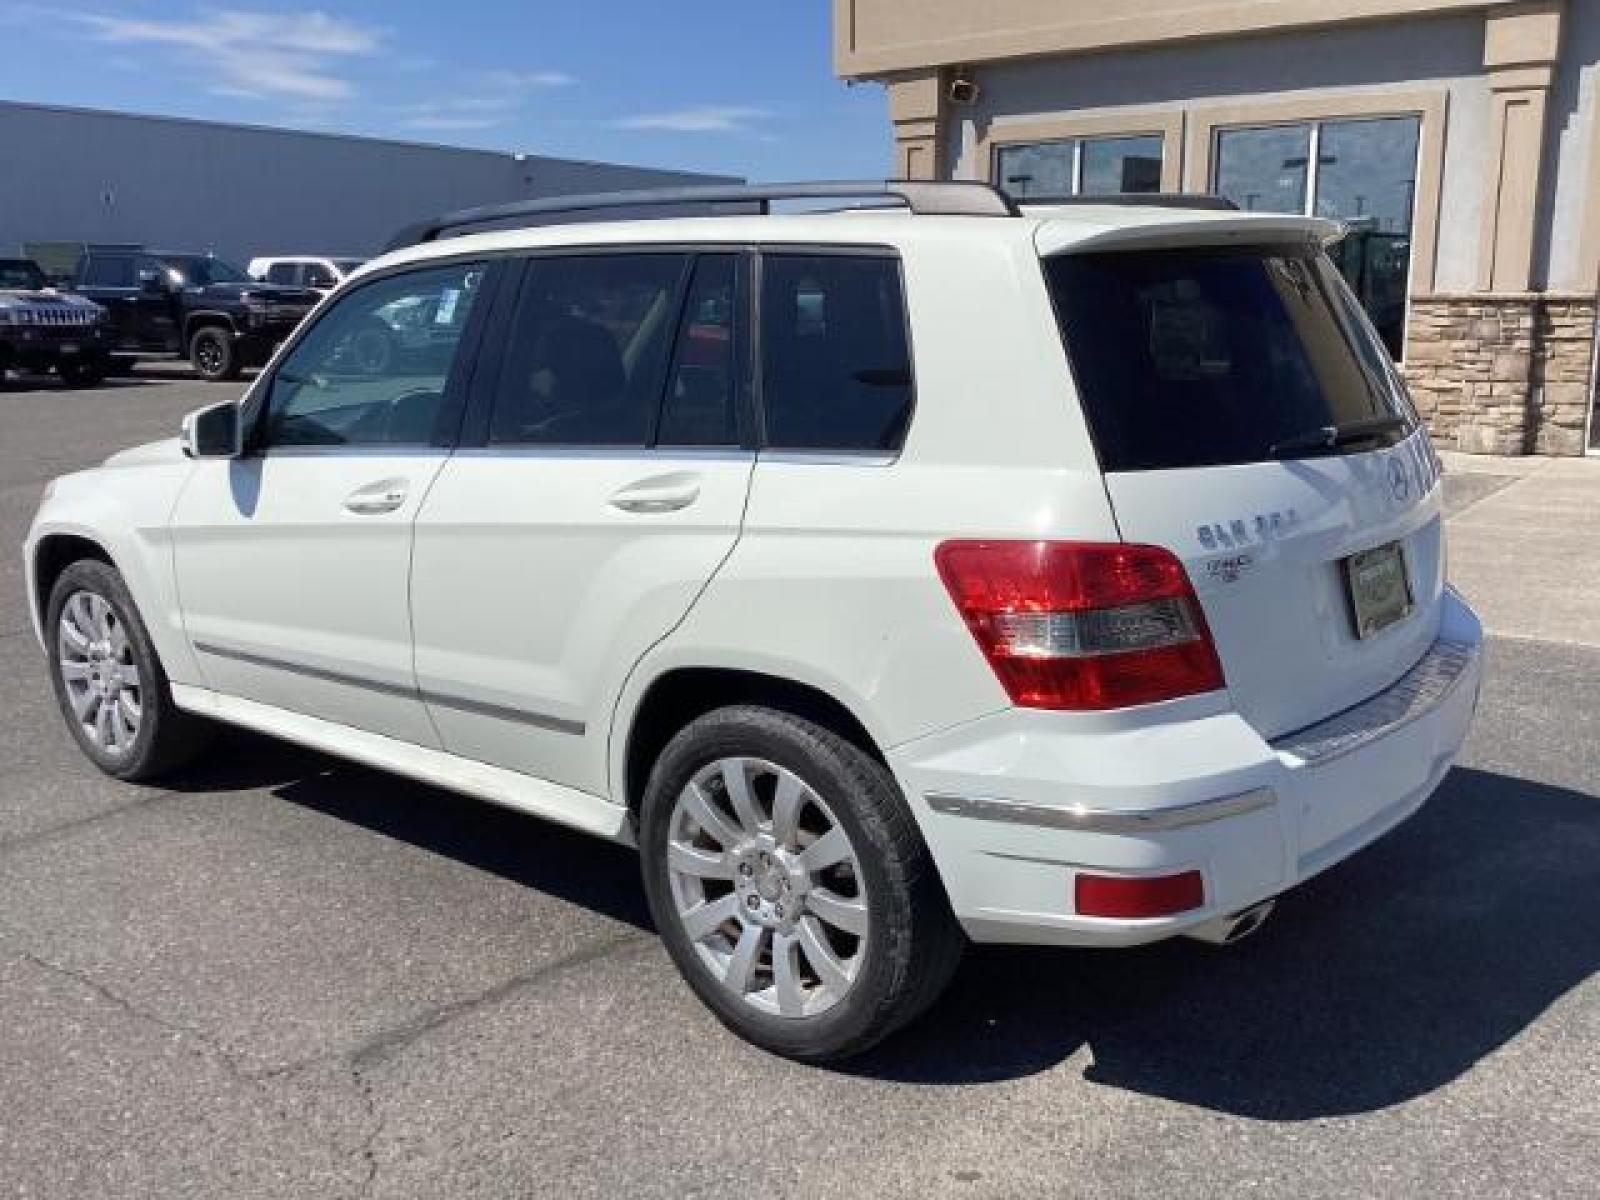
(1459, 138)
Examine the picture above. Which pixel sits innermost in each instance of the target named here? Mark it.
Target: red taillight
(1082, 625)
(1133, 896)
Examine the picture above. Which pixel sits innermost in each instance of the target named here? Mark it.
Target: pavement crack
(388, 1043)
(376, 1121)
(140, 1013)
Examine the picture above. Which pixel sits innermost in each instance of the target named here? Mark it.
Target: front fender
(126, 511)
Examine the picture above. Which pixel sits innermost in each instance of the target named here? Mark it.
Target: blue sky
(739, 87)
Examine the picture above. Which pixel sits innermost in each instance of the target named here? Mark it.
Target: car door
(111, 281)
(292, 561)
(607, 484)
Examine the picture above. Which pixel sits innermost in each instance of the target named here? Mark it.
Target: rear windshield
(1211, 357)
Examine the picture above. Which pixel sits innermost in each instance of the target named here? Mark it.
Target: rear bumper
(1013, 807)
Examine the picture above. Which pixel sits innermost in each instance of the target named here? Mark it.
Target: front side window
(1362, 171)
(374, 369)
(287, 273)
(199, 270)
(835, 361)
(588, 350)
(1080, 167)
(318, 276)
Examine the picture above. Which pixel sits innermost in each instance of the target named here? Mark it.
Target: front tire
(214, 354)
(82, 372)
(109, 684)
(791, 885)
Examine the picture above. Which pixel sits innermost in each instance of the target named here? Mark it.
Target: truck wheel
(791, 885)
(109, 684)
(81, 372)
(214, 354)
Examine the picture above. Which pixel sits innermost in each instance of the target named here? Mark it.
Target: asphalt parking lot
(284, 976)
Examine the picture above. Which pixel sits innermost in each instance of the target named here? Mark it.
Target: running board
(511, 789)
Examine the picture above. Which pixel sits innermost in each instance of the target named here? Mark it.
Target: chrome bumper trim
(1103, 820)
(1415, 694)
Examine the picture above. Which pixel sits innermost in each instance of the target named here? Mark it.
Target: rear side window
(116, 271)
(1210, 357)
(283, 273)
(835, 363)
(588, 350)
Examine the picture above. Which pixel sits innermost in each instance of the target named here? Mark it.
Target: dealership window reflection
(1361, 171)
(1080, 167)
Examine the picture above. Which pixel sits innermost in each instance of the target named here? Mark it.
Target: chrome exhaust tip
(1225, 931)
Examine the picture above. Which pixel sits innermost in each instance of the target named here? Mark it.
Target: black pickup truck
(191, 305)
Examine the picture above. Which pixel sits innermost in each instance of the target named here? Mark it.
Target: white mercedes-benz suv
(889, 577)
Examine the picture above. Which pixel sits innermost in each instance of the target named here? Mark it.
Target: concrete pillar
(1520, 45)
(917, 110)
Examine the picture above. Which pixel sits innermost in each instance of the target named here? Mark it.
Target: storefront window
(1363, 172)
(1080, 167)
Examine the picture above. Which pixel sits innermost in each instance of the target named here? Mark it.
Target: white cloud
(484, 100)
(706, 118)
(257, 54)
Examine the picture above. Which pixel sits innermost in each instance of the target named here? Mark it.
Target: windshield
(19, 274)
(198, 270)
(1217, 356)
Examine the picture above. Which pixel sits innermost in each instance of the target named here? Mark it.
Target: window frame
(477, 423)
(1165, 123)
(827, 456)
(257, 401)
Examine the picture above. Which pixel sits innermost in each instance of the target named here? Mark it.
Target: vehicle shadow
(49, 383)
(1377, 982)
(529, 852)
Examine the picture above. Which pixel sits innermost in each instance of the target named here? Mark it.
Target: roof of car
(1053, 230)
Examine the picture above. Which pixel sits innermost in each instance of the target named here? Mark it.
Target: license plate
(1380, 594)
(69, 347)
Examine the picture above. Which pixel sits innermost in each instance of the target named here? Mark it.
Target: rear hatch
(1249, 420)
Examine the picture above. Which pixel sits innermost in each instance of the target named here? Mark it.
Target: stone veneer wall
(1503, 373)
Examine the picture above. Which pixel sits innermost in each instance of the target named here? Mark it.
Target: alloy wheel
(95, 659)
(768, 887)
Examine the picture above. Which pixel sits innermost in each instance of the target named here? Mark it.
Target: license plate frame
(1378, 587)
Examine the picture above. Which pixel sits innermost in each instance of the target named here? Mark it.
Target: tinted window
(115, 271)
(373, 371)
(836, 371)
(1190, 358)
(588, 350)
(317, 275)
(700, 406)
(283, 273)
(21, 274)
(1265, 170)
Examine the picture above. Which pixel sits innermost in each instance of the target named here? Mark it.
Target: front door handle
(376, 498)
(660, 494)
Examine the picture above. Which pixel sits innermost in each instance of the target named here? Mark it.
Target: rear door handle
(376, 498)
(661, 494)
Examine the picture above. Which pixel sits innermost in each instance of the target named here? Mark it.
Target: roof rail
(924, 197)
(1200, 200)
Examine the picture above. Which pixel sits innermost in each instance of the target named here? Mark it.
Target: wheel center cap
(770, 882)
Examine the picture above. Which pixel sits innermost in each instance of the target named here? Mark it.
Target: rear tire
(214, 354)
(811, 961)
(108, 681)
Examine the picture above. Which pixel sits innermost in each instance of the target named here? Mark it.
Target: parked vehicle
(313, 271)
(42, 329)
(1069, 576)
(192, 305)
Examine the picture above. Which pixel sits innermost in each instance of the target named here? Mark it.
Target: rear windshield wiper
(1336, 437)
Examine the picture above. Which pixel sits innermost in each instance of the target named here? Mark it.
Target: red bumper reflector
(1132, 897)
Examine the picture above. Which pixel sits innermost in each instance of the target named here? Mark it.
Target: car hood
(44, 297)
(161, 453)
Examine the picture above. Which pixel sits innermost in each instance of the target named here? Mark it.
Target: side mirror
(213, 432)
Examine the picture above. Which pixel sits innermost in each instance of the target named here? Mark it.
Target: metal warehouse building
(77, 175)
